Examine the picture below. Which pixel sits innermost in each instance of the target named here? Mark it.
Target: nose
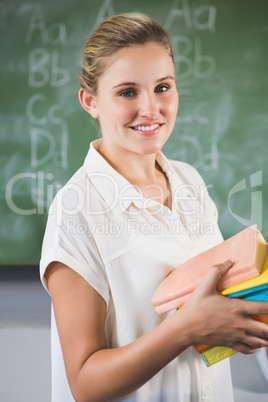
(149, 106)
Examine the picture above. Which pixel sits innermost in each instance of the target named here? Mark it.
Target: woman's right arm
(94, 372)
(97, 373)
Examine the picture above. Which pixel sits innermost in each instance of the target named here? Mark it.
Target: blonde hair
(113, 34)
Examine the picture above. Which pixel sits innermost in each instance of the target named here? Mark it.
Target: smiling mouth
(146, 129)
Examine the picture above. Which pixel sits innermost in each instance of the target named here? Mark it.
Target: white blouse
(124, 244)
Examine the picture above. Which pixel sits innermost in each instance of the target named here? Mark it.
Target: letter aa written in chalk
(54, 34)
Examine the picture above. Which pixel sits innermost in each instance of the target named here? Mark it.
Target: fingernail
(227, 262)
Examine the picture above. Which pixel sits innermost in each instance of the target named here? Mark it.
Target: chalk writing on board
(52, 113)
(48, 130)
(189, 60)
(106, 11)
(201, 18)
(58, 157)
(54, 34)
(44, 69)
(184, 24)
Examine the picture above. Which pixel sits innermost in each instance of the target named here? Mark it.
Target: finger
(255, 336)
(258, 329)
(215, 273)
(254, 341)
(253, 308)
(244, 348)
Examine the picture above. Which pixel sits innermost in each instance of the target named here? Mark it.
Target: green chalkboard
(221, 54)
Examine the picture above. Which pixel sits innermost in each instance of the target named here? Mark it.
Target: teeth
(147, 128)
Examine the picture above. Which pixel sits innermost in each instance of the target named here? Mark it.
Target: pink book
(247, 250)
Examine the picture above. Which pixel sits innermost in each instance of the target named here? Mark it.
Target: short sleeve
(69, 240)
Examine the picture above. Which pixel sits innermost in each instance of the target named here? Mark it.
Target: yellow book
(215, 354)
(251, 283)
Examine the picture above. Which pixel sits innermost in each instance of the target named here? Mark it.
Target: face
(137, 100)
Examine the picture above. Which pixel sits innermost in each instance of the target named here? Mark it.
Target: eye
(162, 88)
(127, 93)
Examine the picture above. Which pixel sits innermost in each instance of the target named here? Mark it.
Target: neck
(137, 169)
(142, 171)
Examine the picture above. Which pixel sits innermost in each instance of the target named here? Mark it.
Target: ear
(88, 103)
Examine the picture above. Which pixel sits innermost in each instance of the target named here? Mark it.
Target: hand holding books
(248, 275)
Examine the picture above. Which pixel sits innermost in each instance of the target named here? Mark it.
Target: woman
(125, 220)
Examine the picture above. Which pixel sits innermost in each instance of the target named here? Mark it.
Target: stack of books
(247, 279)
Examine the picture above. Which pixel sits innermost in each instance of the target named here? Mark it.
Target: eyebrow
(167, 77)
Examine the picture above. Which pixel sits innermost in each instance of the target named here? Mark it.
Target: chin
(155, 146)
(151, 149)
